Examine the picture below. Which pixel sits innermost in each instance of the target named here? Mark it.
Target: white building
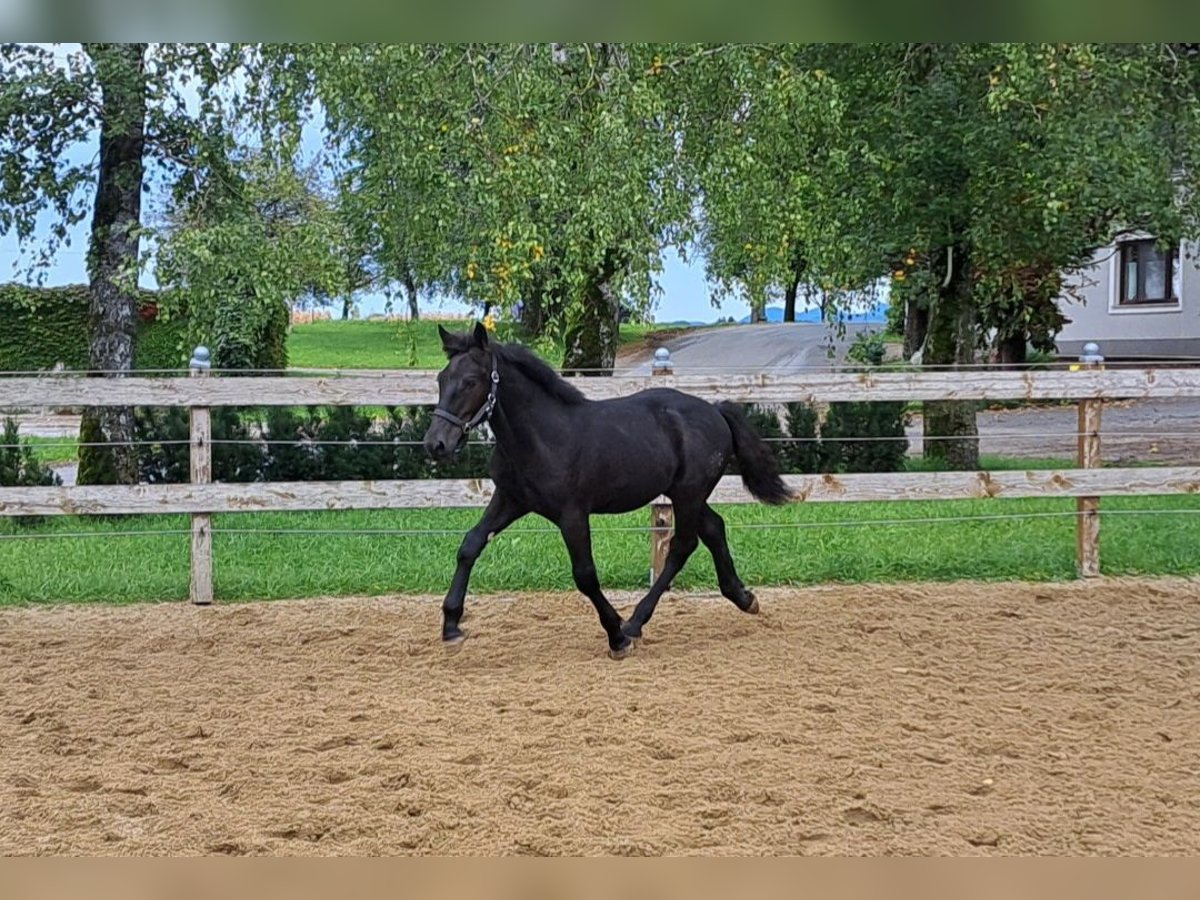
(1140, 302)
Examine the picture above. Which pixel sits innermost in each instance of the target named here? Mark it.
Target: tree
(248, 235)
(765, 141)
(504, 171)
(747, 158)
(1009, 164)
(53, 105)
(973, 175)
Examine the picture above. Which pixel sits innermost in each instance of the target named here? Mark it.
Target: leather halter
(484, 412)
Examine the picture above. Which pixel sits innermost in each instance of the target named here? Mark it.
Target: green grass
(365, 345)
(53, 449)
(989, 463)
(864, 542)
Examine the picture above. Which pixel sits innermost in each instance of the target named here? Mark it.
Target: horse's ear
(480, 336)
(451, 343)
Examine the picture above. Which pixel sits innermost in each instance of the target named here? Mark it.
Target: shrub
(301, 444)
(802, 454)
(868, 349)
(860, 422)
(247, 336)
(163, 436)
(19, 467)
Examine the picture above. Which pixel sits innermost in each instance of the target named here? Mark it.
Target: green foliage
(42, 327)
(855, 437)
(164, 446)
(846, 444)
(95, 468)
(868, 349)
(252, 238)
(499, 171)
(301, 444)
(802, 454)
(19, 465)
(873, 160)
(51, 107)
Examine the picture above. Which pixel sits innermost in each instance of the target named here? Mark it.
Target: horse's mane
(539, 373)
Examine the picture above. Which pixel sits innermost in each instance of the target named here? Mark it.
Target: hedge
(42, 327)
(301, 444)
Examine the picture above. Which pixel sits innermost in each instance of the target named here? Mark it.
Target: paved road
(751, 348)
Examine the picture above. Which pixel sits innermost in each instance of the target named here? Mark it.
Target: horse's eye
(470, 382)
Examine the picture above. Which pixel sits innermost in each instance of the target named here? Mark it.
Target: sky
(684, 292)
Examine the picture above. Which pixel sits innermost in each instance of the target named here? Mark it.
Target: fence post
(1087, 528)
(662, 515)
(201, 591)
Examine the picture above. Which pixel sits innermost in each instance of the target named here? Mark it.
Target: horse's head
(466, 391)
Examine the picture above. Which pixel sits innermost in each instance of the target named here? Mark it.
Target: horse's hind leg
(712, 532)
(683, 544)
(577, 535)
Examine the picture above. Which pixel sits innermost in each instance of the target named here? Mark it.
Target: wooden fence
(1090, 386)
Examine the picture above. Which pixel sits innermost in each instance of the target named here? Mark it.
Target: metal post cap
(662, 358)
(201, 358)
(1091, 353)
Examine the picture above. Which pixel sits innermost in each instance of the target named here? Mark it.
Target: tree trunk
(951, 341)
(789, 299)
(1011, 351)
(113, 257)
(916, 326)
(592, 341)
(347, 305)
(410, 288)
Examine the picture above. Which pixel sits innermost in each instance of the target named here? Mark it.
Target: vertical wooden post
(1087, 526)
(201, 591)
(662, 515)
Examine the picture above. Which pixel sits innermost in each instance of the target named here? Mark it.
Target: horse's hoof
(623, 652)
(455, 642)
(633, 635)
(752, 607)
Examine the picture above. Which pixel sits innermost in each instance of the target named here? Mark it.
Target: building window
(1148, 275)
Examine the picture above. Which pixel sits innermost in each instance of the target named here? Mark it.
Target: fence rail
(1090, 386)
(419, 388)
(299, 496)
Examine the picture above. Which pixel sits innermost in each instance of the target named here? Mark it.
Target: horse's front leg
(500, 513)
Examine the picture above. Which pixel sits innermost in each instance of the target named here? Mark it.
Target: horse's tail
(760, 471)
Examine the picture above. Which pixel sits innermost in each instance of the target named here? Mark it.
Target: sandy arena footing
(913, 719)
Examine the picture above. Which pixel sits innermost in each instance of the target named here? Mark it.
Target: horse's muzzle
(442, 443)
(437, 449)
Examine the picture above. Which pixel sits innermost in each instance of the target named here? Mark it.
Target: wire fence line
(629, 371)
(383, 442)
(898, 521)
